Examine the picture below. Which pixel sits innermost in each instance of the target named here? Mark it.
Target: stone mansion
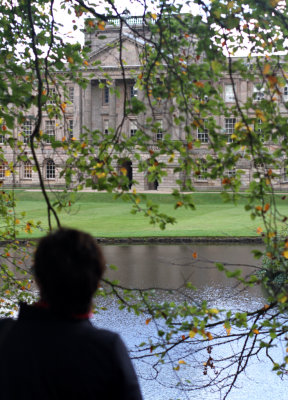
(98, 108)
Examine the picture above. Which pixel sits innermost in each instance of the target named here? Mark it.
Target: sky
(136, 7)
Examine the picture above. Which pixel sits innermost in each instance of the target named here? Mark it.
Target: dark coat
(43, 356)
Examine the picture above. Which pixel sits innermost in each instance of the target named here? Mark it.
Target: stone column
(87, 106)
(112, 106)
(77, 111)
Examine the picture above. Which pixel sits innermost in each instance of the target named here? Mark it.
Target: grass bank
(102, 216)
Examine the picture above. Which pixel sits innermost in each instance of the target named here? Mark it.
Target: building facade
(100, 107)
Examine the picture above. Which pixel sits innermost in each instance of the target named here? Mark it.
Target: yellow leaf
(285, 254)
(238, 125)
(271, 234)
(283, 299)
(233, 136)
(192, 333)
(134, 191)
(272, 80)
(228, 330)
(181, 362)
(124, 171)
(101, 175)
(199, 84)
(101, 25)
(7, 172)
(148, 320)
(266, 69)
(256, 331)
(83, 145)
(195, 255)
(154, 16)
(137, 200)
(213, 311)
(230, 5)
(260, 115)
(209, 335)
(73, 138)
(63, 107)
(86, 63)
(177, 368)
(259, 229)
(17, 221)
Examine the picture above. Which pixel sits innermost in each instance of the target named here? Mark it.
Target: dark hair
(68, 266)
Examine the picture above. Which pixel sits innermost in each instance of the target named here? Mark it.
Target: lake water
(168, 267)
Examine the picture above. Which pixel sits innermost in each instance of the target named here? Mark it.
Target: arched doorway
(151, 185)
(126, 169)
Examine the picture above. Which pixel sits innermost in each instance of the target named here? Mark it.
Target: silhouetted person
(52, 351)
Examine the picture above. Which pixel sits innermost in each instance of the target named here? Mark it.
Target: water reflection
(169, 266)
(166, 267)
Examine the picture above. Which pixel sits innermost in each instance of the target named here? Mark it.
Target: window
(27, 170)
(285, 175)
(50, 169)
(106, 126)
(3, 128)
(203, 99)
(71, 94)
(258, 127)
(50, 130)
(27, 130)
(230, 173)
(106, 95)
(201, 174)
(133, 91)
(159, 133)
(51, 96)
(2, 171)
(258, 93)
(229, 94)
(70, 128)
(229, 128)
(202, 133)
(285, 93)
(133, 128)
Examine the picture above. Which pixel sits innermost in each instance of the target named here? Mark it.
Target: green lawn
(102, 216)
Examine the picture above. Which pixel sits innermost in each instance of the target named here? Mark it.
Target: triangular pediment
(109, 54)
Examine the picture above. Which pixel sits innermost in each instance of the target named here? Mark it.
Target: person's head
(68, 266)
